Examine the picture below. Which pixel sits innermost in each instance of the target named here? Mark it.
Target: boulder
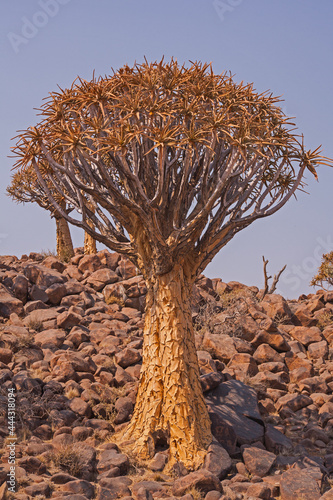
(275, 441)
(202, 479)
(90, 263)
(237, 405)
(221, 346)
(127, 357)
(318, 350)
(79, 486)
(8, 303)
(297, 483)
(293, 401)
(126, 269)
(274, 339)
(306, 335)
(222, 431)
(243, 365)
(39, 489)
(276, 307)
(50, 338)
(55, 293)
(266, 353)
(99, 279)
(111, 458)
(257, 461)
(217, 460)
(43, 276)
(114, 293)
(21, 287)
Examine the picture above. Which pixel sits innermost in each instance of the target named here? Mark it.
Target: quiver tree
(25, 188)
(174, 161)
(324, 276)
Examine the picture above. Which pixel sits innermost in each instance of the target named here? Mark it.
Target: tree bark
(65, 248)
(170, 402)
(89, 244)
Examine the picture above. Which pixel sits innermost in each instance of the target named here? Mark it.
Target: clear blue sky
(281, 45)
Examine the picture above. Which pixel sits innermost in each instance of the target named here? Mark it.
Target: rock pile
(71, 345)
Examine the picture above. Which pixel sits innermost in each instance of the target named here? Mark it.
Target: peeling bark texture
(65, 248)
(89, 244)
(89, 241)
(170, 402)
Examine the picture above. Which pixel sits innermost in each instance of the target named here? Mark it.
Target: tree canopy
(191, 154)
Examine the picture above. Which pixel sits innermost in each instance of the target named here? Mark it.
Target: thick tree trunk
(89, 244)
(170, 402)
(65, 248)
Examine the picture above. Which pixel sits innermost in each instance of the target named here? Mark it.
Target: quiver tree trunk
(89, 244)
(170, 405)
(89, 241)
(65, 248)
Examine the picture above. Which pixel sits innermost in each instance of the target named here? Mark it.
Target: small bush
(324, 275)
(35, 325)
(68, 459)
(115, 300)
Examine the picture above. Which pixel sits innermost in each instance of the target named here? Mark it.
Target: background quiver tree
(173, 161)
(324, 276)
(25, 188)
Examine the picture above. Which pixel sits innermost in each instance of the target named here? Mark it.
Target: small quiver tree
(174, 161)
(324, 276)
(25, 188)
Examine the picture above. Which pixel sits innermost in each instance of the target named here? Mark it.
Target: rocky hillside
(70, 346)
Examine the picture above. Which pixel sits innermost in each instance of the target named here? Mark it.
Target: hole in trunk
(161, 440)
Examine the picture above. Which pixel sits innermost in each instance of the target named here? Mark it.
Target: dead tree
(174, 161)
(276, 278)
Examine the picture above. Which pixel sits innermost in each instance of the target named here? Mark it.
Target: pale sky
(281, 45)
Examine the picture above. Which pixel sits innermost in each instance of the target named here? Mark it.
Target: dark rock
(217, 460)
(43, 276)
(117, 487)
(62, 478)
(8, 303)
(127, 357)
(36, 489)
(222, 431)
(202, 479)
(124, 407)
(210, 381)
(111, 458)
(258, 461)
(298, 484)
(275, 340)
(293, 401)
(79, 486)
(77, 405)
(158, 462)
(68, 319)
(56, 292)
(275, 441)
(89, 263)
(21, 287)
(32, 465)
(99, 279)
(236, 404)
(259, 490)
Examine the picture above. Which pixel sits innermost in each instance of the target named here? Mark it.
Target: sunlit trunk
(64, 240)
(170, 401)
(89, 244)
